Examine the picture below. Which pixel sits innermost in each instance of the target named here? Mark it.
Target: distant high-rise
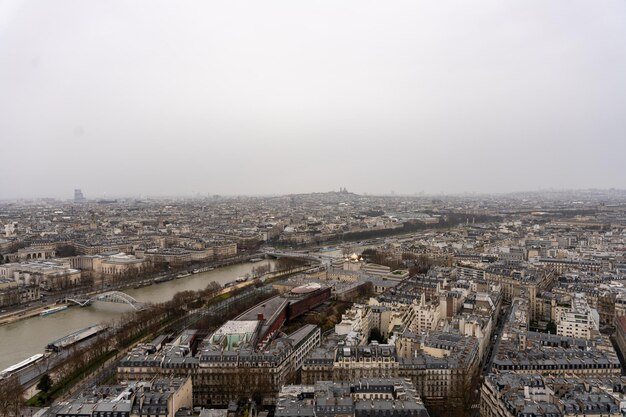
(78, 196)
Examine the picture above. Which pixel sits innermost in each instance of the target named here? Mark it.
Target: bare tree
(260, 270)
(11, 397)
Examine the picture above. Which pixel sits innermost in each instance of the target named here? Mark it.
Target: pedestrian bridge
(109, 297)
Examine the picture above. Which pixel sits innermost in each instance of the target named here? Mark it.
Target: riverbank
(27, 313)
(103, 367)
(35, 310)
(24, 338)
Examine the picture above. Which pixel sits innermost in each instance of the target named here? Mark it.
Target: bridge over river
(108, 297)
(312, 257)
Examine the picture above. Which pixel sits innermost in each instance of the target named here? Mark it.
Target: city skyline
(428, 296)
(312, 209)
(565, 193)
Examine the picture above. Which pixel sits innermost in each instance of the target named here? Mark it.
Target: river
(25, 338)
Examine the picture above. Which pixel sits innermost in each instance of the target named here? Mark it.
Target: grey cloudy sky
(257, 97)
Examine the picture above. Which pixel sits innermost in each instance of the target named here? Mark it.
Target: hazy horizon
(246, 98)
(554, 193)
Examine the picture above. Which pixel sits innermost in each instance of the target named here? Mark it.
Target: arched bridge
(109, 297)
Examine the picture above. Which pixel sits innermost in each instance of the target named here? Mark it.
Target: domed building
(353, 263)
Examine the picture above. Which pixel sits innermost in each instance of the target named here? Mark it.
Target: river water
(28, 337)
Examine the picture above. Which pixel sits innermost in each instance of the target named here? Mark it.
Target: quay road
(31, 374)
(25, 337)
(28, 337)
(106, 371)
(34, 308)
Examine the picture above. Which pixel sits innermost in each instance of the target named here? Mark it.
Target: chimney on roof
(260, 316)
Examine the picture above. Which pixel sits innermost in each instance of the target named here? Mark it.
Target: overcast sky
(272, 97)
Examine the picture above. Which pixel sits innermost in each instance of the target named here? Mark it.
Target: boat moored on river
(52, 310)
(20, 365)
(76, 337)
